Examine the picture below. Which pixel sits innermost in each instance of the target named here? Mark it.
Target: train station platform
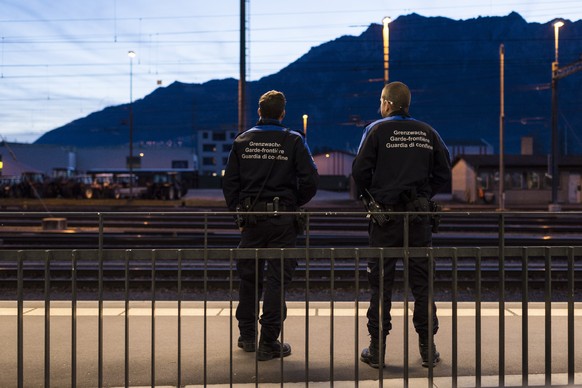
(325, 344)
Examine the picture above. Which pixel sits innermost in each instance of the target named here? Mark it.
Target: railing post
(128, 255)
(548, 316)
(153, 320)
(478, 319)
(502, 299)
(431, 314)
(100, 304)
(331, 315)
(381, 338)
(20, 319)
(571, 331)
(525, 317)
(230, 309)
(179, 344)
(455, 319)
(256, 312)
(307, 261)
(406, 285)
(47, 319)
(281, 307)
(205, 330)
(357, 320)
(74, 319)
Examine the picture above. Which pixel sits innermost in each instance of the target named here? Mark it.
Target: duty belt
(271, 206)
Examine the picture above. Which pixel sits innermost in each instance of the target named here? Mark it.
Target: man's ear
(282, 116)
(259, 112)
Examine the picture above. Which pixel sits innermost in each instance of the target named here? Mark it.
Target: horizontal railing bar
(183, 212)
(291, 253)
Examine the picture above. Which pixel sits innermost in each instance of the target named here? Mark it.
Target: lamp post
(131, 55)
(305, 124)
(554, 206)
(501, 126)
(386, 36)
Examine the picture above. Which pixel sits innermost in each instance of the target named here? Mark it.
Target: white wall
(464, 182)
(334, 163)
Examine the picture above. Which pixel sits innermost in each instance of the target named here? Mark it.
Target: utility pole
(557, 74)
(242, 83)
(501, 126)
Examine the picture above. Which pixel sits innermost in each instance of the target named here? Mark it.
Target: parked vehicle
(165, 185)
(78, 186)
(104, 186)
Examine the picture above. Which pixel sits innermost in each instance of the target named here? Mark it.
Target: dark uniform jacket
(398, 153)
(293, 179)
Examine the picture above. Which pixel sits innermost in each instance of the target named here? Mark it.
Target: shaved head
(398, 95)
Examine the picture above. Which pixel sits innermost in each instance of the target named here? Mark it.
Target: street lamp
(386, 36)
(131, 55)
(305, 124)
(555, 177)
(557, 26)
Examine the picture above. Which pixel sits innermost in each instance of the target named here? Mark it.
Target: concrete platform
(222, 362)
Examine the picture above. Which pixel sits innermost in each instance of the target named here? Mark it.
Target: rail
(195, 264)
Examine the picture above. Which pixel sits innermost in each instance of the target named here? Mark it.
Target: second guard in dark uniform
(269, 169)
(401, 164)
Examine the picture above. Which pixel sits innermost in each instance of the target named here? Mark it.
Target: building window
(485, 180)
(548, 182)
(179, 164)
(205, 135)
(219, 136)
(516, 181)
(209, 147)
(209, 161)
(226, 147)
(533, 181)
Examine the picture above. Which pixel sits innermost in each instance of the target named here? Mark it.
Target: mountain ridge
(451, 67)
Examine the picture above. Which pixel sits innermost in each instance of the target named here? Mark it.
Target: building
(52, 160)
(335, 163)
(18, 158)
(335, 169)
(469, 147)
(213, 150)
(526, 182)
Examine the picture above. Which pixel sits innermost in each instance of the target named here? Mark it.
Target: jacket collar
(399, 112)
(263, 121)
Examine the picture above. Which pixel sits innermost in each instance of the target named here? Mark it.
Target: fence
(195, 267)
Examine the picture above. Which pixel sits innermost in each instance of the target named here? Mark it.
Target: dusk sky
(62, 60)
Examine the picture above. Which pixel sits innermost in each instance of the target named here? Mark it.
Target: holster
(412, 203)
(242, 217)
(376, 212)
(300, 221)
(435, 219)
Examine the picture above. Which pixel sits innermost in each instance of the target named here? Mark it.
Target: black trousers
(269, 232)
(392, 235)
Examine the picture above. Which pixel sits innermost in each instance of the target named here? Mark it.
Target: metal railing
(194, 267)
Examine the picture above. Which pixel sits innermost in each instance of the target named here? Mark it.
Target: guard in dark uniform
(401, 163)
(270, 169)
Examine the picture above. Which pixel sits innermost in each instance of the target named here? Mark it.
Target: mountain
(451, 66)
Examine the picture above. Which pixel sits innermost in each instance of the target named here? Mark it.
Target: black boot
(370, 355)
(423, 348)
(272, 349)
(246, 344)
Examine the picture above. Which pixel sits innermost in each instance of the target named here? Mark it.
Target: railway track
(192, 230)
(342, 229)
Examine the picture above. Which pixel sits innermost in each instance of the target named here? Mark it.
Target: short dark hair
(398, 94)
(272, 105)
